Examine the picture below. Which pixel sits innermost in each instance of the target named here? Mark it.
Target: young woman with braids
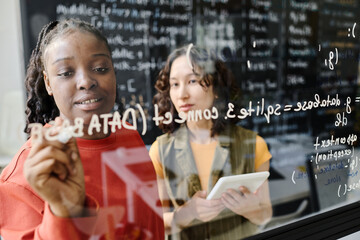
(190, 157)
(53, 189)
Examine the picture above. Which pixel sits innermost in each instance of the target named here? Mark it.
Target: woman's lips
(186, 107)
(89, 104)
(90, 101)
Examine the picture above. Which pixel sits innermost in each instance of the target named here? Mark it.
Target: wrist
(176, 221)
(182, 217)
(64, 211)
(68, 210)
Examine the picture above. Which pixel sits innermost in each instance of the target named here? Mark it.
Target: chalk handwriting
(343, 189)
(259, 16)
(352, 31)
(261, 109)
(334, 154)
(329, 61)
(136, 113)
(310, 6)
(335, 141)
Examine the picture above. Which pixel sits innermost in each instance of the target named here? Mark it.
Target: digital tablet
(250, 180)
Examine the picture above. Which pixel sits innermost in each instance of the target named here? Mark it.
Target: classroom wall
(12, 75)
(11, 60)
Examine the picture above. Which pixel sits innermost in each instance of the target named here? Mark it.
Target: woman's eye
(65, 74)
(193, 81)
(101, 69)
(173, 84)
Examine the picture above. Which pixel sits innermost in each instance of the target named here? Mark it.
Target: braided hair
(40, 106)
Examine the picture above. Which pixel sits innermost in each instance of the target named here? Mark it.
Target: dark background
(293, 40)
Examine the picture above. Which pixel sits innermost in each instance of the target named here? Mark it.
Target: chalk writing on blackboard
(346, 188)
(352, 31)
(116, 121)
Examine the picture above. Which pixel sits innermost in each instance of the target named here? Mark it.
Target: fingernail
(62, 176)
(74, 156)
(74, 171)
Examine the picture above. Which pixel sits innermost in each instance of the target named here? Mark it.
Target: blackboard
(280, 51)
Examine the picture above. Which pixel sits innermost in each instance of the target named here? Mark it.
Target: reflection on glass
(296, 63)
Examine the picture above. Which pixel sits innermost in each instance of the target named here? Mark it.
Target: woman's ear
(47, 83)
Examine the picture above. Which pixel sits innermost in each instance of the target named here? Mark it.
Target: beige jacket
(234, 154)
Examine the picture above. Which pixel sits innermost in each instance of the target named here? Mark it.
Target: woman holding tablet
(202, 145)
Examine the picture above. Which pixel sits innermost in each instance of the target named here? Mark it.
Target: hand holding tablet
(250, 180)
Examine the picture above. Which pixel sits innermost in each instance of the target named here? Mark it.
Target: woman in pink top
(58, 186)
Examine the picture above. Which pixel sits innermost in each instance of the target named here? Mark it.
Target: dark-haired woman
(203, 145)
(57, 186)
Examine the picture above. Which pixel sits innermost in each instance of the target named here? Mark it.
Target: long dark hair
(213, 72)
(41, 107)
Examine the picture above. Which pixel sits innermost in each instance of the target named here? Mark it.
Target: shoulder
(260, 141)
(154, 152)
(165, 138)
(154, 149)
(161, 141)
(161, 146)
(261, 145)
(262, 154)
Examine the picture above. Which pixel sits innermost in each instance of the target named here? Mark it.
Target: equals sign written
(357, 99)
(287, 108)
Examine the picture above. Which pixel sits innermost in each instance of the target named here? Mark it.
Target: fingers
(43, 136)
(64, 155)
(218, 208)
(38, 144)
(206, 214)
(230, 199)
(241, 202)
(236, 195)
(60, 131)
(203, 209)
(210, 210)
(72, 150)
(39, 139)
(207, 206)
(65, 138)
(200, 194)
(61, 171)
(70, 143)
(244, 190)
(41, 172)
(233, 198)
(51, 152)
(201, 198)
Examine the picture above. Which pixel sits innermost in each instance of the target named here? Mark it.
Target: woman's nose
(85, 81)
(183, 92)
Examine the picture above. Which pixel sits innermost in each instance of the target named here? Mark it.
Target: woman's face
(79, 75)
(186, 93)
